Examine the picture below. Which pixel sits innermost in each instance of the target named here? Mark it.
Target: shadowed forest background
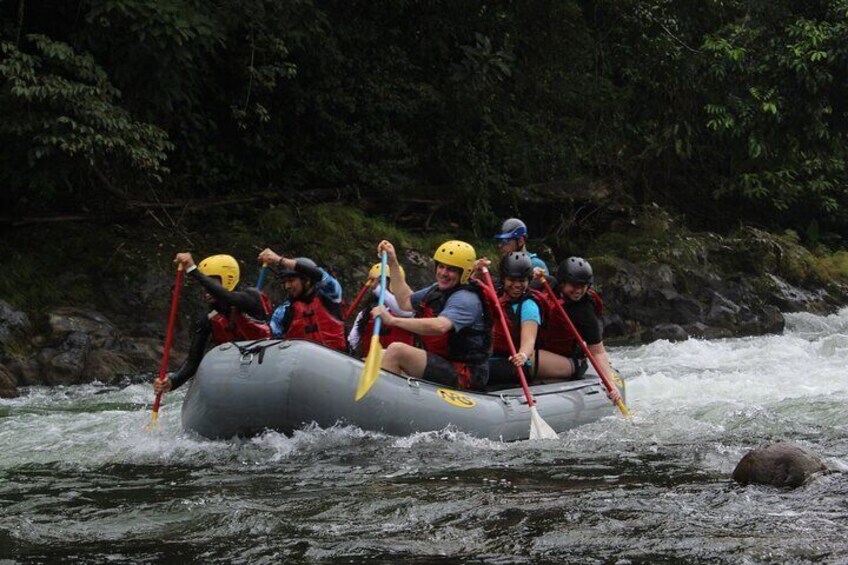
(251, 122)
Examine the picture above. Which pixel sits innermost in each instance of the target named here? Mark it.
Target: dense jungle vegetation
(723, 112)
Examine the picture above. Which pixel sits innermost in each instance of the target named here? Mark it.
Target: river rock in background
(8, 383)
(83, 345)
(648, 302)
(13, 323)
(779, 465)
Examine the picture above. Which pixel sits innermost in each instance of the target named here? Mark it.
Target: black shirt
(247, 300)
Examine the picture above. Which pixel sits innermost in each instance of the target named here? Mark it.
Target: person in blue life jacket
(235, 313)
(313, 307)
(513, 238)
(452, 321)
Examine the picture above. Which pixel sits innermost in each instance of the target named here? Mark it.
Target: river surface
(82, 480)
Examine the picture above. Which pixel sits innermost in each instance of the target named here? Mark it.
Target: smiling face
(515, 288)
(447, 277)
(574, 292)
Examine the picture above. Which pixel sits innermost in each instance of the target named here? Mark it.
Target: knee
(394, 351)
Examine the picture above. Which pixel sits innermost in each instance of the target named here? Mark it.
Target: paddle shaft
(505, 330)
(615, 396)
(350, 309)
(262, 272)
(169, 335)
(384, 266)
(371, 369)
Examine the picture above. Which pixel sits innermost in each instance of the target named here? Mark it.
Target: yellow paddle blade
(154, 424)
(371, 371)
(623, 408)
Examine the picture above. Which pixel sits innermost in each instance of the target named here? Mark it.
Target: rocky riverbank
(85, 324)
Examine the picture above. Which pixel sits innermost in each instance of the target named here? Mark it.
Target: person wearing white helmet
(513, 238)
(313, 308)
(235, 314)
(359, 337)
(452, 320)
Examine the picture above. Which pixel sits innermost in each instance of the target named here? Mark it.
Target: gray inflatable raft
(291, 383)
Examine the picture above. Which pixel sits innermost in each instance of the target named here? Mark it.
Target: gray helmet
(516, 265)
(304, 261)
(512, 228)
(575, 270)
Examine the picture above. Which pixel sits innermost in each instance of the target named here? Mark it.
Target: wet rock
(703, 331)
(723, 312)
(27, 371)
(13, 323)
(670, 332)
(66, 320)
(780, 465)
(789, 298)
(14, 327)
(104, 365)
(8, 383)
(66, 365)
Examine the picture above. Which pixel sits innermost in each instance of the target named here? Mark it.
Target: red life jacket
(457, 346)
(500, 346)
(312, 321)
(556, 336)
(388, 335)
(238, 326)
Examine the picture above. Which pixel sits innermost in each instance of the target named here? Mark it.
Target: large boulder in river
(779, 465)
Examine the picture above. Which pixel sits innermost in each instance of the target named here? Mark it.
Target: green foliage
(725, 112)
(62, 121)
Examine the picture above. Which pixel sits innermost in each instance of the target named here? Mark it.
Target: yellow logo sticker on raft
(456, 398)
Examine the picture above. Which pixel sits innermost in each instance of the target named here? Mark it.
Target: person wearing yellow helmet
(235, 314)
(452, 321)
(313, 306)
(359, 337)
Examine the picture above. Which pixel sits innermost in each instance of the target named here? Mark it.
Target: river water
(82, 480)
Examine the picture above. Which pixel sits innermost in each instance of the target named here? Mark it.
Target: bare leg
(403, 358)
(554, 367)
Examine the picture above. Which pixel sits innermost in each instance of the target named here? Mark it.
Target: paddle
(614, 395)
(539, 429)
(371, 370)
(350, 309)
(169, 335)
(262, 272)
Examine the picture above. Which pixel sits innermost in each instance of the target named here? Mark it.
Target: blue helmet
(512, 228)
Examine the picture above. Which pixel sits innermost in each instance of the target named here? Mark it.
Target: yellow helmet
(457, 254)
(374, 273)
(223, 266)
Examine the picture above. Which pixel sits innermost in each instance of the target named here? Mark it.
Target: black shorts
(503, 372)
(456, 374)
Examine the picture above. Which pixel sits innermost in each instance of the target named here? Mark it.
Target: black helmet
(517, 265)
(305, 261)
(512, 228)
(575, 270)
